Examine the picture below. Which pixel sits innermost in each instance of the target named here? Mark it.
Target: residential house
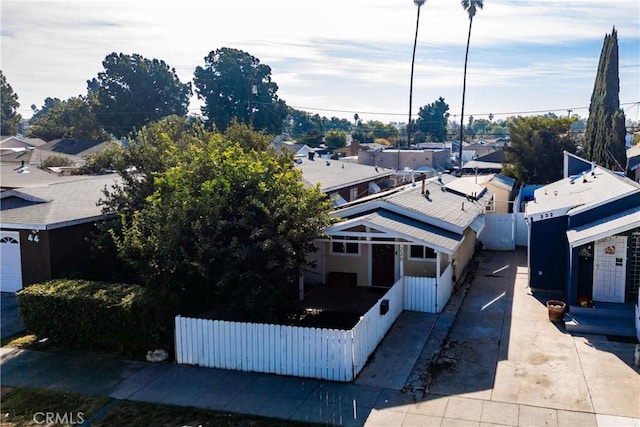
(584, 242)
(428, 229)
(292, 147)
(436, 159)
(46, 227)
(344, 181)
(633, 162)
(503, 188)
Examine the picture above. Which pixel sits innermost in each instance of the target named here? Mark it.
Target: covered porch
(380, 248)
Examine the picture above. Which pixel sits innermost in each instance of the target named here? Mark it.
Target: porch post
(401, 254)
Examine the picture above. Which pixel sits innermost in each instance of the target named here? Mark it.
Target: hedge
(97, 315)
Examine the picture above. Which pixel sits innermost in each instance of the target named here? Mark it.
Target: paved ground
(491, 358)
(10, 320)
(505, 363)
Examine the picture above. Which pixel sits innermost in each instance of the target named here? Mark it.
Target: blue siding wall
(576, 165)
(611, 208)
(548, 254)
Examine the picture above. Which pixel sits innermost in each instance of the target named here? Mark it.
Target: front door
(382, 265)
(609, 268)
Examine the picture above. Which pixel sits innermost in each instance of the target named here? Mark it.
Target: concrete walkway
(505, 363)
(491, 358)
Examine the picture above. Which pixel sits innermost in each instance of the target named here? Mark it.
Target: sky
(338, 57)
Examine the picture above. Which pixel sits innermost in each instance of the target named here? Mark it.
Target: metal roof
(618, 223)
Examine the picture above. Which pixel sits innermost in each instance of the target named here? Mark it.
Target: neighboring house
(344, 181)
(14, 150)
(45, 229)
(423, 230)
(584, 241)
(15, 176)
(633, 163)
(298, 150)
(391, 158)
(503, 189)
(481, 167)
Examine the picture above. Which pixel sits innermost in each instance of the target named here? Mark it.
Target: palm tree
(471, 6)
(418, 3)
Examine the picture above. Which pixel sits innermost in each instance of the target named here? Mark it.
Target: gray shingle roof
(429, 235)
(10, 177)
(440, 206)
(55, 205)
(338, 174)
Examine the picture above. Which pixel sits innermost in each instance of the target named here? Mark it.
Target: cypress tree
(604, 141)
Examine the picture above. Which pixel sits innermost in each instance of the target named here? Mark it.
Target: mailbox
(384, 307)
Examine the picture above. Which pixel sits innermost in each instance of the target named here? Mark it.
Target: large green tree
(10, 118)
(536, 151)
(133, 91)
(335, 138)
(432, 120)
(604, 141)
(220, 221)
(234, 84)
(471, 6)
(72, 119)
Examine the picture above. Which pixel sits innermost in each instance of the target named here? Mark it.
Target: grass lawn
(28, 407)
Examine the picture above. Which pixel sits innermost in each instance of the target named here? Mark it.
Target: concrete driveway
(505, 363)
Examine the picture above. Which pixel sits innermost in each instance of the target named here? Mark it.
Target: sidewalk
(503, 363)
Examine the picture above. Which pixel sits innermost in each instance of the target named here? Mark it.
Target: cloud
(352, 55)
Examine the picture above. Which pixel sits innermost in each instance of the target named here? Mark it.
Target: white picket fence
(337, 355)
(425, 295)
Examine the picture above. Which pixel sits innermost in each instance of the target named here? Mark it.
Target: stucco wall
(358, 264)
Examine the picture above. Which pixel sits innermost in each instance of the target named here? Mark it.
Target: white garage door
(10, 262)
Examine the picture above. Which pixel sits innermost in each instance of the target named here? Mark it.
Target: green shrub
(97, 315)
(56, 161)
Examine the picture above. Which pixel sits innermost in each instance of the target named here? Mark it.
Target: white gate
(499, 232)
(522, 229)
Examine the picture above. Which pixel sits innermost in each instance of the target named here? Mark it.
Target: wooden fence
(337, 355)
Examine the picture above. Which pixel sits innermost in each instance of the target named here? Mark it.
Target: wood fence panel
(337, 355)
(499, 232)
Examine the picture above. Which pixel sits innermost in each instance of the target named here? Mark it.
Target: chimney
(355, 147)
(311, 155)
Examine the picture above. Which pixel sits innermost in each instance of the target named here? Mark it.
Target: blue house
(584, 241)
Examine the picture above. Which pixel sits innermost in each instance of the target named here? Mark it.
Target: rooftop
(581, 192)
(335, 174)
(54, 205)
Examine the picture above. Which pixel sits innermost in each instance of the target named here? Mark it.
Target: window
(345, 248)
(353, 194)
(421, 253)
(490, 205)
